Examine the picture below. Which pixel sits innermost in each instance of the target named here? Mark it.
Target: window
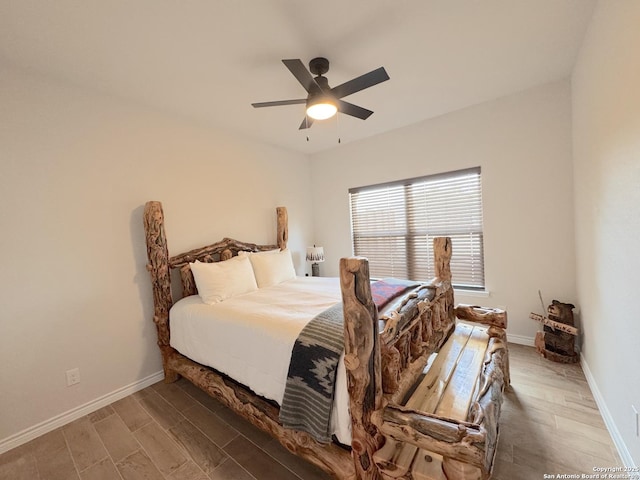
(393, 225)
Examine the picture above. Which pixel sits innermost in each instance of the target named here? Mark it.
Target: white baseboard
(520, 340)
(59, 420)
(623, 451)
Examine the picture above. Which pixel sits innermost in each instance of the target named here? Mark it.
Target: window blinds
(394, 224)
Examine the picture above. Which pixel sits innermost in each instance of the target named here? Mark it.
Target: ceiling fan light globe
(321, 111)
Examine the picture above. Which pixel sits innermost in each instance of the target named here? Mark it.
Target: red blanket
(383, 291)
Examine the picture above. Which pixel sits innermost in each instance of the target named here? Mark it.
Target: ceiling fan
(323, 101)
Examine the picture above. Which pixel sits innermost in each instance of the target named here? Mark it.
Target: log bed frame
(383, 368)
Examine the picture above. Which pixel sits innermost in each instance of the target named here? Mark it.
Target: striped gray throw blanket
(308, 394)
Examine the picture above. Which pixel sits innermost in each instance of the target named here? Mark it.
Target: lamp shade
(321, 111)
(315, 254)
(321, 106)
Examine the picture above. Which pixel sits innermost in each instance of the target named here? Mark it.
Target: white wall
(606, 143)
(75, 171)
(523, 145)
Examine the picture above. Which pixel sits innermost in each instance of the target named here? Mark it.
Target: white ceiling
(210, 59)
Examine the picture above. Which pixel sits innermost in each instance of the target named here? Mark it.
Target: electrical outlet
(636, 420)
(73, 376)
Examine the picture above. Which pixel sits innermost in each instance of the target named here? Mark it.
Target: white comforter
(250, 337)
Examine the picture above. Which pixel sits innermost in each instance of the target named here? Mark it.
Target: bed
(250, 337)
(382, 360)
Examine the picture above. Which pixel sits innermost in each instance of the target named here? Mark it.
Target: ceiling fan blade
(360, 83)
(306, 123)
(279, 102)
(303, 75)
(353, 110)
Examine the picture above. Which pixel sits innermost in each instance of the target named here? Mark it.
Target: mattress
(250, 337)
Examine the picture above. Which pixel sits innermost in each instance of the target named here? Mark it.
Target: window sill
(472, 293)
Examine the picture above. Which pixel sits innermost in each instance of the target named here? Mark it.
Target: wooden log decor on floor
(557, 340)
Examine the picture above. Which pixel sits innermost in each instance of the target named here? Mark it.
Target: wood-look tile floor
(549, 425)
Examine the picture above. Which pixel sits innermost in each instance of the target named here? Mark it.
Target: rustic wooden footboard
(412, 422)
(384, 363)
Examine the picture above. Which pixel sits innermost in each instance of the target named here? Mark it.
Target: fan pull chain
(306, 123)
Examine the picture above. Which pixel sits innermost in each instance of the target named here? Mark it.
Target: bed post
(442, 266)
(442, 258)
(362, 361)
(283, 227)
(158, 266)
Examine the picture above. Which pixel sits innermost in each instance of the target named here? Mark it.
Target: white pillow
(221, 280)
(272, 269)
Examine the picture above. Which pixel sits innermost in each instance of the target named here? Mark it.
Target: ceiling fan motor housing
(323, 83)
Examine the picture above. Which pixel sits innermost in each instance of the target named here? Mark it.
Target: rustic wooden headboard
(222, 250)
(160, 264)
